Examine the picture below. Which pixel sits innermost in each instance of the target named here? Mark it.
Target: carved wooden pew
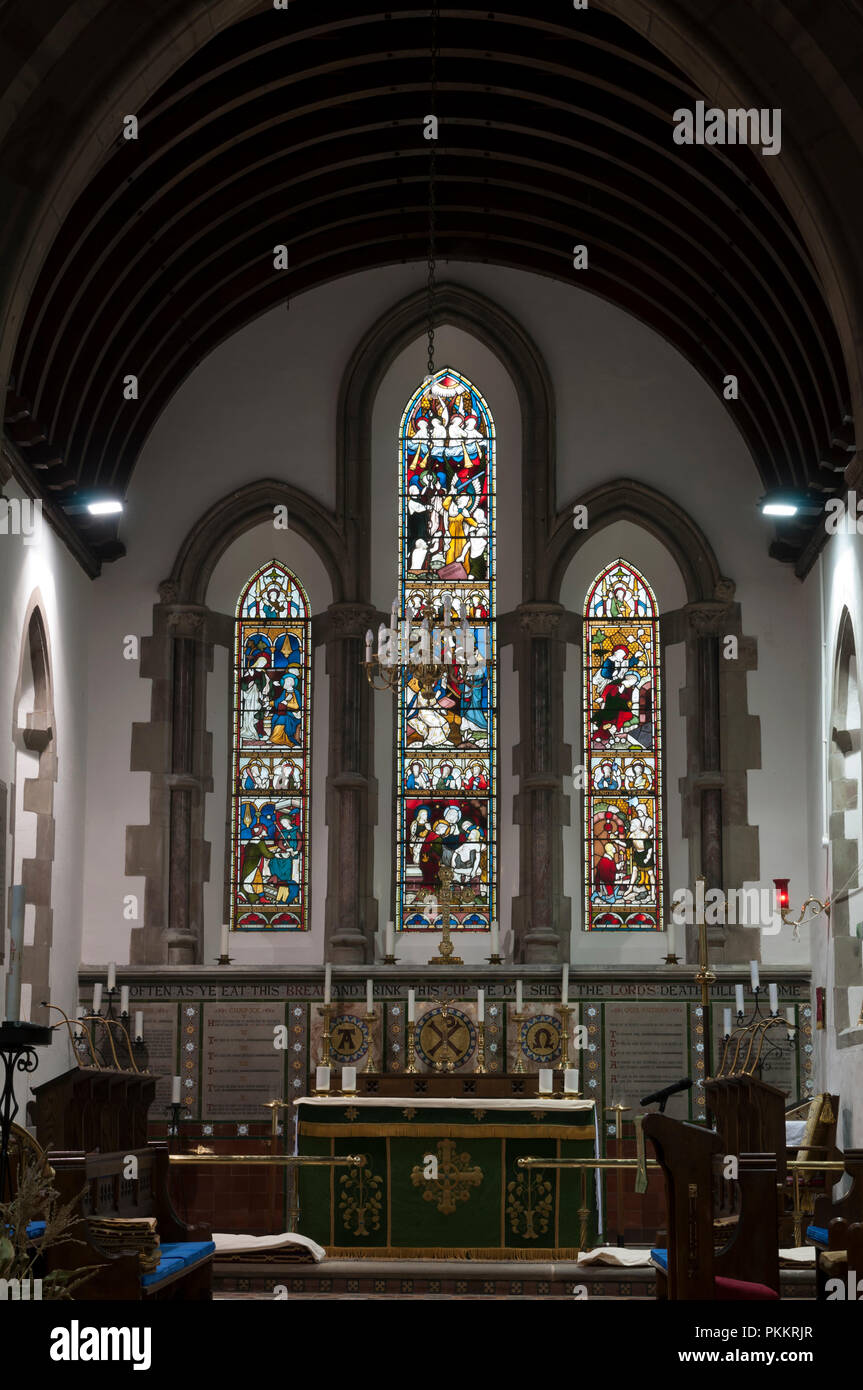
(849, 1208)
(843, 1260)
(97, 1180)
(691, 1268)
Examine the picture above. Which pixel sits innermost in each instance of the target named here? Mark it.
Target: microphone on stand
(684, 1084)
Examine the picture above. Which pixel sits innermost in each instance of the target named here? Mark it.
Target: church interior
(430, 719)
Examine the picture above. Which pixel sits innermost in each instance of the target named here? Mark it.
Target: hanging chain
(430, 289)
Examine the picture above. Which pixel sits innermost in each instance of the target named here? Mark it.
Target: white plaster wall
(46, 565)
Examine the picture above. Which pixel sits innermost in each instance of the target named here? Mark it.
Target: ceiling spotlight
(779, 509)
(788, 502)
(108, 507)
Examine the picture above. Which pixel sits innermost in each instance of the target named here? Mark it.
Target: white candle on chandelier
(97, 997)
(495, 939)
(328, 983)
(519, 997)
(738, 998)
(480, 1006)
(112, 975)
(726, 1022)
(564, 986)
(773, 994)
(753, 973)
(789, 1016)
(175, 1091)
(369, 644)
(139, 1023)
(124, 999)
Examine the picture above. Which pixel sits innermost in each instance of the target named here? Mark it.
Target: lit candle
(328, 983)
(495, 939)
(726, 1022)
(139, 1023)
(412, 1006)
(570, 1080)
(224, 951)
(789, 1016)
(322, 1078)
(753, 973)
(480, 1006)
(369, 642)
(390, 948)
(175, 1091)
(97, 997)
(564, 987)
(112, 975)
(369, 996)
(349, 1078)
(738, 998)
(519, 997)
(124, 999)
(546, 1081)
(773, 994)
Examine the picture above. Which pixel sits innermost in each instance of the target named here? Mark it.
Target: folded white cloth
(614, 1255)
(794, 1132)
(231, 1244)
(799, 1255)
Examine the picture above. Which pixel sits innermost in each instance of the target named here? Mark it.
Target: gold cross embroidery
(453, 1182)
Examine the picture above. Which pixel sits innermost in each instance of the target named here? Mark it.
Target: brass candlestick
(671, 959)
(410, 1039)
(371, 1016)
(566, 1012)
(519, 1056)
(326, 1036)
(480, 1049)
(445, 955)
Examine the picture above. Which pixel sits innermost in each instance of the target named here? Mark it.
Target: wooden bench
(843, 1257)
(98, 1182)
(849, 1208)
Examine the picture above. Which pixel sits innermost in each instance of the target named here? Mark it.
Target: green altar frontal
(471, 1201)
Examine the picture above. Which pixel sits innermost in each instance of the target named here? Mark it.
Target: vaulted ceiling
(305, 127)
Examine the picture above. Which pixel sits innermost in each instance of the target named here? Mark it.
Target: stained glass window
(446, 766)
(270, 859)
(623, 754)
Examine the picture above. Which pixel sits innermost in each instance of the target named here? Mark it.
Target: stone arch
(34, 736)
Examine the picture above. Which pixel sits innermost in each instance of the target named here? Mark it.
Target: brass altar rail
(582, 1163)
(272, 1160)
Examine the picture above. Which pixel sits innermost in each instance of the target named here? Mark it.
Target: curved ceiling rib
(551, 133)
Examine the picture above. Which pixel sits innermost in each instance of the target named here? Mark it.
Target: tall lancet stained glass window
(446, 773)
(270, 860)
(623, 754)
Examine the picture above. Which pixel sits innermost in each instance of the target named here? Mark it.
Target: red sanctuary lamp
(782, 896)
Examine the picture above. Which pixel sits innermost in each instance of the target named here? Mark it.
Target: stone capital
(350, 620)
(186, 620)
(709, 617)
(540, 619)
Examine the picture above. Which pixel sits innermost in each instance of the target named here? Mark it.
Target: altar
(440, 1177)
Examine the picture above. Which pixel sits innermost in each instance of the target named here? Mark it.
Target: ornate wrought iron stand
(18, 1043)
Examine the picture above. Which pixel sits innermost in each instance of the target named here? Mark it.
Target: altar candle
(412, 1005)
(112, 975)
(789, 1016)
(495, 939)
(773, 993)
(753, 973)
(139, 1023)
(322, 1078)
(349, 1078)
(480, 1006)
(124, 999)
(223, 950)
(328, 983)
(564, 986)
(519, 997)
(726, 1022)
(671, 951)
(546, 1081)
(97, 997)
(738, 998)
(390, 940)
(570, 1079)
(175, 1091)
(369, 997)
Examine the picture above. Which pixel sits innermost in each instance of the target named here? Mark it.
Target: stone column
(540, 915)
(350, 917)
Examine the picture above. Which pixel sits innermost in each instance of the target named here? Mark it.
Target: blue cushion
(35, 1229)
(660, 1257)
(164, 1268)
(817, 1233)
(189, 1251)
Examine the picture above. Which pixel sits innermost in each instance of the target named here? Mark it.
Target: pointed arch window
(272, 731)
(623, 852)
(446, 755)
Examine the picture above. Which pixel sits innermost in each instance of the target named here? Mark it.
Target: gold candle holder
(671, 959)
(480, 1067)
(445, 955)
(326, 1036)
(566, 1013)
(410, 1039)
(519, 1066)
(371, 1016)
